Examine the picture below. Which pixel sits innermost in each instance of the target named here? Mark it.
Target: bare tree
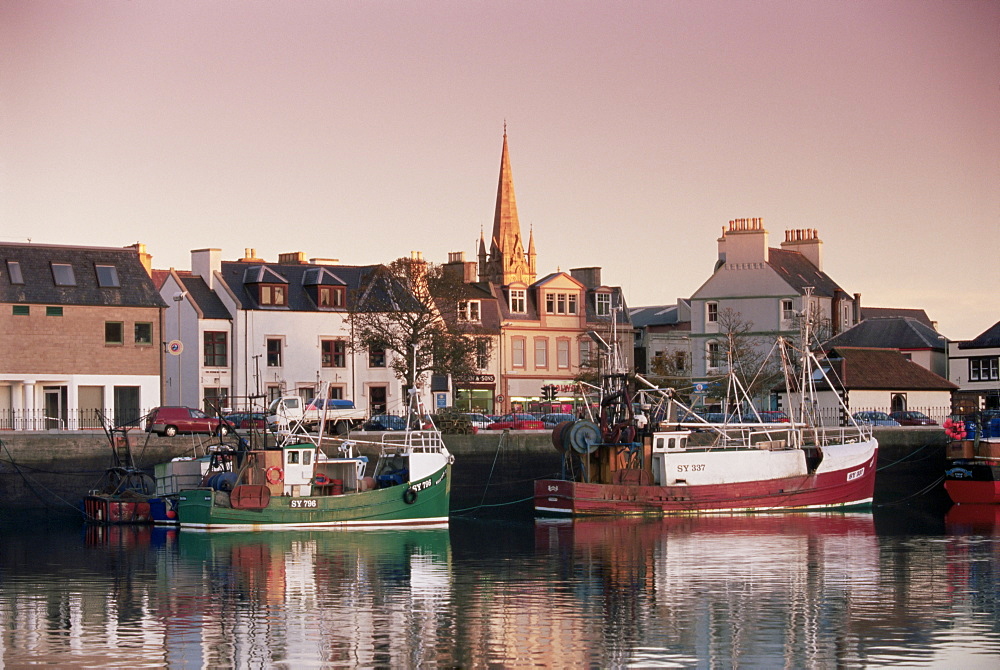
(411, 309)
(749, 355)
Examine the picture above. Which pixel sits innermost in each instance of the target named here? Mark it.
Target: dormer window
(602, 304)
(107, 276)
(468, 310)
(518, 301)
(273, 294)
(62, 274)
(330, 296)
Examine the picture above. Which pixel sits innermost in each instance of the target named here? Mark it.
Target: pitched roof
(207, 300)
(656, 315)
(883, 369)
(988, 339)
(135, 286)
(894, 312)
(799, 272)
(890, 333)
(241, 275)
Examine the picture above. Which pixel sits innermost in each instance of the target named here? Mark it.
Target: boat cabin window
(306, 458)
(292, 457)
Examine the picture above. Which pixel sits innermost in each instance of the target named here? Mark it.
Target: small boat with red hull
(972, 476)
(124, 493)
(625, 464)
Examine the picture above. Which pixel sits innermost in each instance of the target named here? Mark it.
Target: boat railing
(742, 435)
(426, 441)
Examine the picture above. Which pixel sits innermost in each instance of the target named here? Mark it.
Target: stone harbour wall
(493, 473)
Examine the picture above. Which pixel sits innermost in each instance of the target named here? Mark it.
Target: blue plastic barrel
(994, 427)
(970, 430)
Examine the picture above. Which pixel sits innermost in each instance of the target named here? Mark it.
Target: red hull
(820, 491)
(973, 492)
(108, 510)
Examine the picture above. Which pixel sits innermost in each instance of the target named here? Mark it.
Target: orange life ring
(274, 475)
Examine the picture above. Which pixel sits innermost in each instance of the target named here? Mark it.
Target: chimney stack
(805, 241)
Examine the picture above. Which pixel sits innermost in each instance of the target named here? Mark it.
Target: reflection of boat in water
(973, 471)
(297, 485)
(602, 530)
(311, 564)
(973, 519)
(618, 465)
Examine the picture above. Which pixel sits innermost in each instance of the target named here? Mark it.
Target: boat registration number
(693, 467)
(420, 486)
(851, 476)
(303, 504)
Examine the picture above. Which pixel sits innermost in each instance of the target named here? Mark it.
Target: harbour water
(897, 587)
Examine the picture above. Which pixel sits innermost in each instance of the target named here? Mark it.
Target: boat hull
(973, 481)
(115, 509)
(850, 484)
(423, 503)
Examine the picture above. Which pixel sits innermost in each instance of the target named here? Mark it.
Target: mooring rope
(31, 485)
(889, 465)
(921, 492)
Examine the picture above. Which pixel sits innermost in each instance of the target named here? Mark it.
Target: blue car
(874, 419)
(385, 422)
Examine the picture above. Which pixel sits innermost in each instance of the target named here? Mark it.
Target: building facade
(87, 323)
(975, 368)
(764, 289)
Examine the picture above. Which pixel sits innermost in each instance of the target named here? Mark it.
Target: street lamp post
(178, 297)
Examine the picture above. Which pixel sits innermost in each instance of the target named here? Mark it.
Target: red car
(517, 422)
(912, 419)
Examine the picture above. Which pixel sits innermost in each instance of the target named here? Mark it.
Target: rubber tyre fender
(409, 496)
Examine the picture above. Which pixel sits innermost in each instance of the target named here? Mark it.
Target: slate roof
(989, 339)
(890, 333)
(799, 272)
(895, 312)
(656, 315)
(207, 300)
(883, 369)
(135, 289)
(239, 276)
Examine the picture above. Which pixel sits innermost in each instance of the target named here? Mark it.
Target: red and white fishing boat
(618, 464)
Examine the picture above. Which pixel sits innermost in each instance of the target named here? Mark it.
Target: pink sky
(364, 130)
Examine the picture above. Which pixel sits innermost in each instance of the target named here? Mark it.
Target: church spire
(507, 261)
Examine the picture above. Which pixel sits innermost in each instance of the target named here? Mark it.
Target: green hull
(421, 503)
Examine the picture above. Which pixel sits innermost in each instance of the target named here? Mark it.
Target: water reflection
(790, 590)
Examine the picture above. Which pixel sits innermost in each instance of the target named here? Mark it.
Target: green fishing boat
(298, 485)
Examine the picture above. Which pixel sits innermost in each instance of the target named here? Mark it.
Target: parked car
(774, 416)
(911, 418)
(516, 422)
(552, 420)
(242, 420)
(169, 421)
(874, 419)
(385, 422)
(480, 421)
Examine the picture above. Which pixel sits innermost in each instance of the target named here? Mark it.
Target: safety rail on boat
(735, 435)
(416, 440)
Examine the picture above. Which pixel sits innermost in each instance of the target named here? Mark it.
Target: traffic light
(546, 393)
